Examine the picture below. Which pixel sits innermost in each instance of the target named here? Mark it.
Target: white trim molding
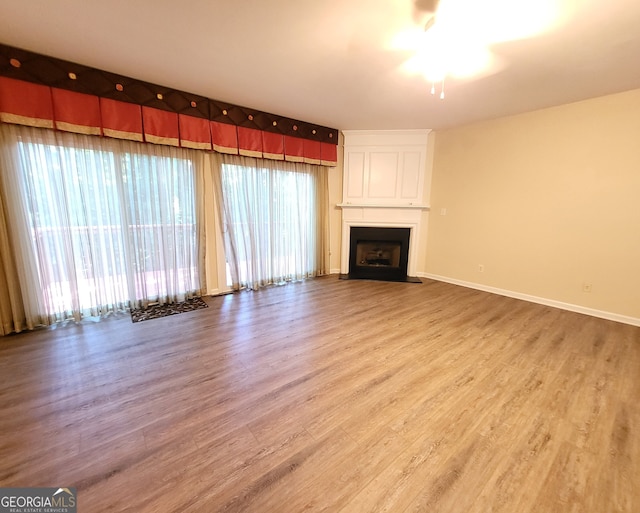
(400, 218)
(370, 205)
(610, 316)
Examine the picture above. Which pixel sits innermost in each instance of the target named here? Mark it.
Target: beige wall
(546, 201)
(426, 214)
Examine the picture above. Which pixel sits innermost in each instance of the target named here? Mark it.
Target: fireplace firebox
(379, 253)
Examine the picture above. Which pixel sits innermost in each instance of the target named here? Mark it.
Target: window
(274, 215)
(110, 224)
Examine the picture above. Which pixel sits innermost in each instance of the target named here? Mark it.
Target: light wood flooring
(330, 395)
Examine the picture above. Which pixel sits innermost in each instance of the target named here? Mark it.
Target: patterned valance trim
(41, 91)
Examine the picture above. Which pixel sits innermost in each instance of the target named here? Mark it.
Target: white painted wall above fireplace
(384, 168)
(385, 184)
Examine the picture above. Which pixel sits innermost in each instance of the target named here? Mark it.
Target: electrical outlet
(443, 211)
(480, 268)
(586, 287)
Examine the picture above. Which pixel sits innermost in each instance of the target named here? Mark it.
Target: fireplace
(385, 185)
(377, 253)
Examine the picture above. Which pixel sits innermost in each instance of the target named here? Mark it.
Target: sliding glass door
(273, 217)
(101, 225)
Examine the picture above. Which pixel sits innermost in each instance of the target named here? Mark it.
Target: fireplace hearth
(379, 254)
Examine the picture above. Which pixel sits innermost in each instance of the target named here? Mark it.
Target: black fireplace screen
(379, 253)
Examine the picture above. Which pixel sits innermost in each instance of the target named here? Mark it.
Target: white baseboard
(334, 271)
(634, 321)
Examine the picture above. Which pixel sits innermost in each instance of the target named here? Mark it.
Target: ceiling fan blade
(424, 11)
(426, 6)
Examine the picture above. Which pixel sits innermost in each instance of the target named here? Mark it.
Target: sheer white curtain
(275, 219)
(97, 225)
(11, 304)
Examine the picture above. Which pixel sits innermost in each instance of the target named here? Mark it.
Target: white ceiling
(328, 61)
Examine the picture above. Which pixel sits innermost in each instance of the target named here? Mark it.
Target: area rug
(157, 311)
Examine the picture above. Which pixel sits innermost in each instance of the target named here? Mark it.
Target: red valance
(76, 112)
(194, 132)
(293, 149)
(273, 146)
(26, 103)
(224, 138)
(121, 120)
(160, 127)
(250, 142)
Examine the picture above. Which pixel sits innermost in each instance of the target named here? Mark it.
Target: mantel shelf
(378, 205)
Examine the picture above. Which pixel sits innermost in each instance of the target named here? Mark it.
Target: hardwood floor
(330, 395)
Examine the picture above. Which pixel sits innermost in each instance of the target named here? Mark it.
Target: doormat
(157, 311)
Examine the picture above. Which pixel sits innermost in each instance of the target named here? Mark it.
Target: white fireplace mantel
(373, 205)
(384, 185)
